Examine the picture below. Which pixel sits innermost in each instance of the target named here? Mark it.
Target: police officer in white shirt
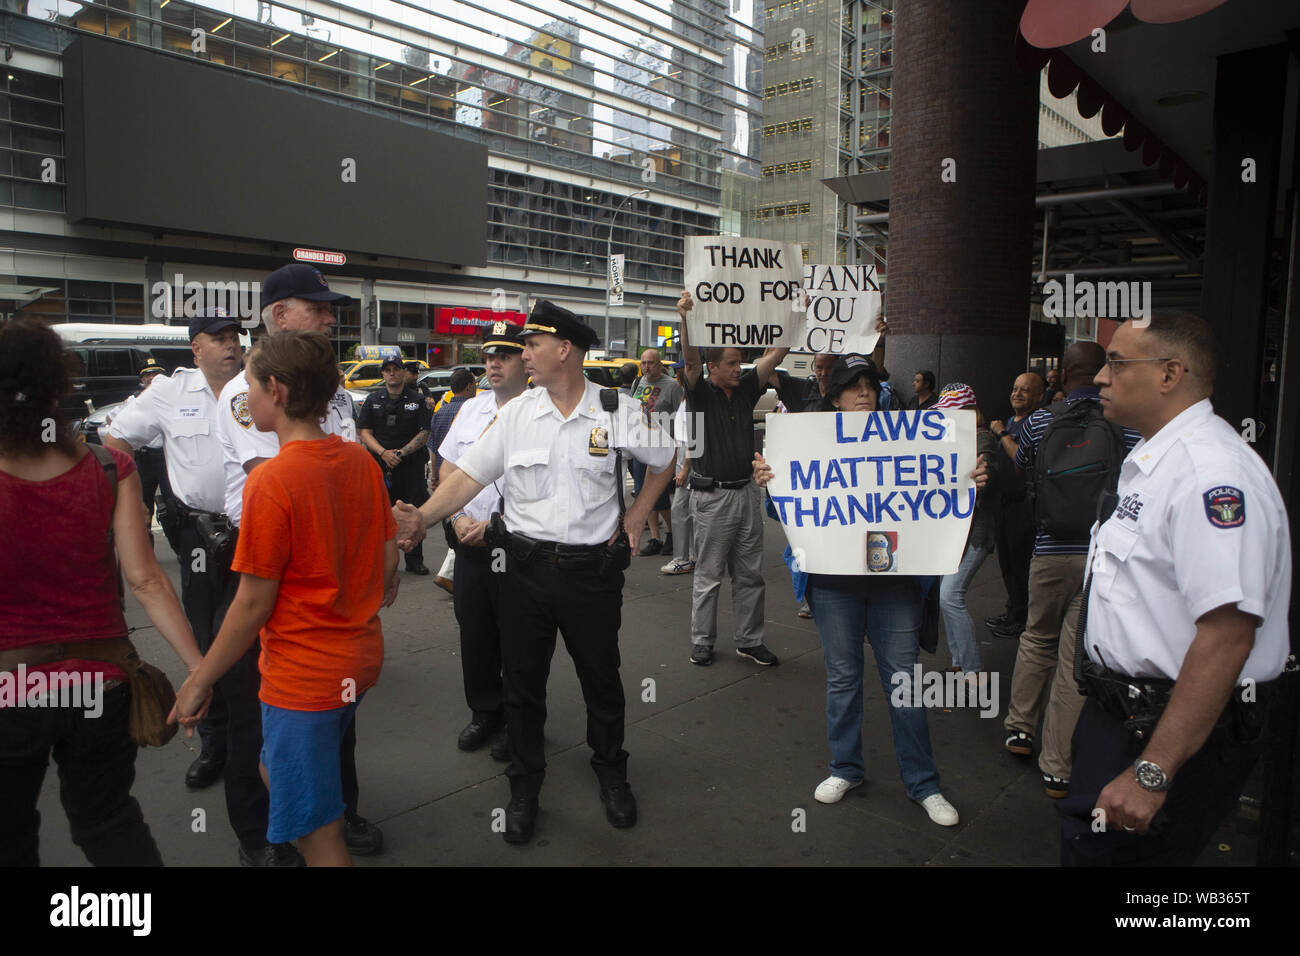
(1184, 613)
(295, 296)
(476, 589)
(564, 554)
(181, 409)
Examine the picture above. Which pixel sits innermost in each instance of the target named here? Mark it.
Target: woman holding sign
(887, 608)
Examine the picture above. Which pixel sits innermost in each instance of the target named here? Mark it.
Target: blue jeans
(956, 618)
(888, 610)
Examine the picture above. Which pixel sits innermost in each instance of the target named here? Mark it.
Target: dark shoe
(204, 771)
(997, 623)
(701, 655)
(419, 569)
(653, 546)
(620, 805)
(521, 816)
(667, 552)
(1011, 632)
(476, 734)
(362, 838)
(759, 655)
(273, 854)
(1056, 787)
(500, 751)
(1020, 743)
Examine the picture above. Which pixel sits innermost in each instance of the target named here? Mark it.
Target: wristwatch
(1150, 776)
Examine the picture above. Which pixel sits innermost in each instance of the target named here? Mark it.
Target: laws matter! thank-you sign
(746, 291)
(874, 492)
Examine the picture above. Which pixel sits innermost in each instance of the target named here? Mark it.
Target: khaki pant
(1045, 659)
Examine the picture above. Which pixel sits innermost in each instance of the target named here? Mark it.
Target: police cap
(502, 338)
(549, 317)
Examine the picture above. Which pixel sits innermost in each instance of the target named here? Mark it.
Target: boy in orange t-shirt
(318, 560)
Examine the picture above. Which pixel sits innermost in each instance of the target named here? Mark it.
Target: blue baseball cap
(211, 320)
(298, 281)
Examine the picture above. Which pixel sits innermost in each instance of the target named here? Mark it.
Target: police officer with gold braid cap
(1184, 614)
(558, 449)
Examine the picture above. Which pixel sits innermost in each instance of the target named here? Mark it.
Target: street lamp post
(609, 244)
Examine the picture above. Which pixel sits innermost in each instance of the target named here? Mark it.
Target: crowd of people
(1115, 499)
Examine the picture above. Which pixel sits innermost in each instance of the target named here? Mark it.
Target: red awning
(1047, 25)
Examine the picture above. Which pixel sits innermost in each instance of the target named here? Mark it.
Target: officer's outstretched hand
(1126, 805)
(410, 525)
(762, 471)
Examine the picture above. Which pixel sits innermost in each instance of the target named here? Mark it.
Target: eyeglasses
(1111, 363)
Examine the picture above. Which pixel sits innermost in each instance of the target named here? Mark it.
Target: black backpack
(1077, 462)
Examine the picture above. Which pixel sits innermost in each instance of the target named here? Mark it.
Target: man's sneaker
(1056, 787)
(362, 838)
(759, 655)
(995, 623)
(940, 810)
(702, 655)
(678, 566)
(1020, 743)
(1009, 632)
(668, 544)
(804, 611)
(833, 789)
(652, 547)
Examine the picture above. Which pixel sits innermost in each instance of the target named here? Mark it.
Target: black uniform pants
(476, 592)
(406, 483)
(205, 600)
(152, 466)
(1204, 791)
(586, 607)
(1015, 547)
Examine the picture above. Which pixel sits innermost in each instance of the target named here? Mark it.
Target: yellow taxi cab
(363, 371)
(605, 372)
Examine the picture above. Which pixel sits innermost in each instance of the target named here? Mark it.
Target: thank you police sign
(874, 492)
(746, 291)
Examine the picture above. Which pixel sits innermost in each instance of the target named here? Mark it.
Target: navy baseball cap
(211, 320)
(392, 360)
(298, 281)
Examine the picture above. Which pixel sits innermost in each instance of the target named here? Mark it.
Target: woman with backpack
(78, 517)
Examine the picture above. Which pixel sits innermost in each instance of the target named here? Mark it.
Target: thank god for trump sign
(874, 492)
(747, 292)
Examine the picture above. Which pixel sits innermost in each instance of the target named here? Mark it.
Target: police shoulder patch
(239, 409)
(1225, 506)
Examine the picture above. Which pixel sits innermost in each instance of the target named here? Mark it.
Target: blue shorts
(300, 749)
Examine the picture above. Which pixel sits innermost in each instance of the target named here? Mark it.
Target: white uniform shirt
(241, 442)
(155, 445)
(182, 410)
(1199, 524)
(471, 421)
(555, 488)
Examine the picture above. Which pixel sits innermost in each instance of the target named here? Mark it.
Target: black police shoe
(652, 547)
(205, 771)
(273, 854)
(419, 569)
(702, 655)
(362, 838)
(476, 734)
(501, 747)
(620, 805)
(521, 817)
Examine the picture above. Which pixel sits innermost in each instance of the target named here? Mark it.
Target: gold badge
(239, 409)
(599, 443)
(498, 328)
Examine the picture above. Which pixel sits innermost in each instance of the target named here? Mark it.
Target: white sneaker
(940, 810)
(678, 566)
(833, 789)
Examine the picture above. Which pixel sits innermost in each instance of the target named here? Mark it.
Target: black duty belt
(149, 453)
(700, 483)
(565, 556)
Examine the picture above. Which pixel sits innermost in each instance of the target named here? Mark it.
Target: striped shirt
(1031, 433)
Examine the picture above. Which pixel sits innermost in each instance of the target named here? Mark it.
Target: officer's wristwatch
(1150, 776)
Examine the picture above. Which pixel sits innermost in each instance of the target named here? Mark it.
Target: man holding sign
(726, 505)
(873, 588)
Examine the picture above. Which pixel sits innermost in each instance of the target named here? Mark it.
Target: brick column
(960, 252)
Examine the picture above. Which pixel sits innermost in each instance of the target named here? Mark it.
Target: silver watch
(1150, 776)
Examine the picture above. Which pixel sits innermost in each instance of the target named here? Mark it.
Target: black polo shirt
(727, 446)
(798, 394)
(395, 421)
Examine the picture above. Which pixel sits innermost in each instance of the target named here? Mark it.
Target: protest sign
(874, 492)
(746, 291)
(843, 307)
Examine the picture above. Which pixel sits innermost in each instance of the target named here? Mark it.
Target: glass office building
(579, 107)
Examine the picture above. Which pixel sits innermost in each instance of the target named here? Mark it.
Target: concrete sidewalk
(724, 759)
